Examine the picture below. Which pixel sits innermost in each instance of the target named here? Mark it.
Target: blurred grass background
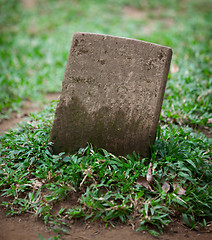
(36, 36)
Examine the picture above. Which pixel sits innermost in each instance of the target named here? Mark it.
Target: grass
(107, 187)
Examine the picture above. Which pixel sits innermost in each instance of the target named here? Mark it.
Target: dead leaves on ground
(146, 182)
(142, 181)
(149, 173)
(166, 187)
(180, 190)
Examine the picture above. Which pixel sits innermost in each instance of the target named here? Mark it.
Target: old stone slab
(112, 94)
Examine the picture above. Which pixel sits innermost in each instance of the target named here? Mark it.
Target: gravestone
(112, 94)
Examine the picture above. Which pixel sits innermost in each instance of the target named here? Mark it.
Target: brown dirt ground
(6, 124)
(27, 227)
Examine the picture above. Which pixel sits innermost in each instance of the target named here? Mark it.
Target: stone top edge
(124, 38)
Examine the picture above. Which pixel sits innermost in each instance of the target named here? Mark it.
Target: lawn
(34, 48)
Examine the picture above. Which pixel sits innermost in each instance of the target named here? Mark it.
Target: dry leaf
(49, 175)
(36, 184)
(209, 120)
(149, 173)
(142, 181)
(179, 198)
(166, 187)
(181, 190)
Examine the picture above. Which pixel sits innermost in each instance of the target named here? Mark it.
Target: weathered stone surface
(112, 94)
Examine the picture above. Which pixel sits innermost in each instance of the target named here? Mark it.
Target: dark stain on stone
(102, 61)
(113, 133)
(76, 42)
(82, 51)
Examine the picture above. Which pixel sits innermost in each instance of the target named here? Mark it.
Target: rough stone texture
(112, 94)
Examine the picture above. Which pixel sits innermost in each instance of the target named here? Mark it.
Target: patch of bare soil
(28, 107)
(151, 25)
(29, 3)
(27, 227)
(206, 131)
(134, 13)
